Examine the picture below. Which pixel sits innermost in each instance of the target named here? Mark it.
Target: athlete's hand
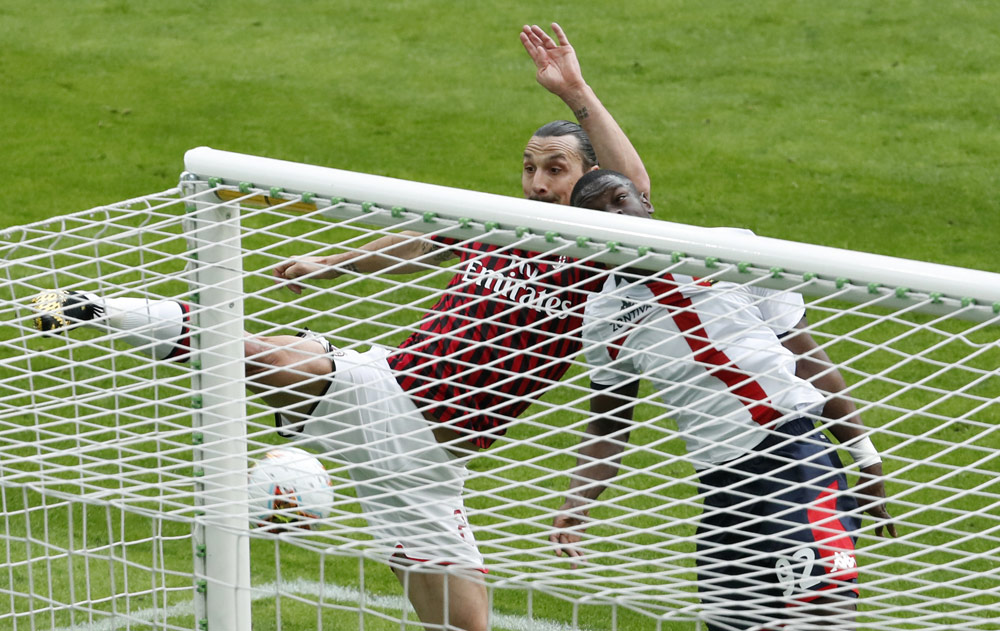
(558, 68)
(309, 266)
(568, 529)
(870, 492)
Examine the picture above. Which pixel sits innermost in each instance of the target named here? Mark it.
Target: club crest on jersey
(514, 283)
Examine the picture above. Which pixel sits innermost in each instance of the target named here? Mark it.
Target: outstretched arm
(597, 462)
(814, 366)
(559, 72)
(385, 253)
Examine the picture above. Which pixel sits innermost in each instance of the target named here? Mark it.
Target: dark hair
(568, 128)
(593, 183)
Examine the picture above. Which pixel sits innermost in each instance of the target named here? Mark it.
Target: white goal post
(123, 480)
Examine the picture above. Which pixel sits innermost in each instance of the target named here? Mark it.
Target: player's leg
(732, 591)
(775, 543)
(157, 328)
(286, 370)
(825, 582)
(410, 488)
(446, 600)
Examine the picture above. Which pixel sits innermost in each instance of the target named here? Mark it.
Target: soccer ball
(289, 487)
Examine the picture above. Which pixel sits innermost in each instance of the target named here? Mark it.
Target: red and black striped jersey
(505, 330)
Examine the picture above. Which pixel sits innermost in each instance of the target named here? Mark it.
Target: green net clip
(337, 201)
(968, 302)
(996, 307)
(197, 438)
(936, 297)
(202, 586)
(214, 181)
(612, 246)
(902, 292)
(308, 198)
(743, 267)
(491, 225)
(203, 624)
(873, 287)
(711, 261)
(777, 272)
(245, 187)
(276, 191)
(841, 282)
(193, 256)
(195, 364)
(520, 231)
(397, 211)
(551, 236)
(581, 242)
(808, 276)
(430, 217)
(643, 250)
(366, 207)
(675, 257)
(196, 402)
(464, 222)
(199, 473)
(200, 551)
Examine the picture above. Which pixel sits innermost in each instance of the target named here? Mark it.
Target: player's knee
(468, 604)
(476, 622)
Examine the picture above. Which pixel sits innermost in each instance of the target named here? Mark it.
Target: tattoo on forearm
(581, 113)
(439, 255)
(349, 267)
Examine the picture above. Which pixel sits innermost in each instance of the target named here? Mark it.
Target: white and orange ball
(289, 487)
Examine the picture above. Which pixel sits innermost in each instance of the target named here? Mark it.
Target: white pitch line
(336, 593)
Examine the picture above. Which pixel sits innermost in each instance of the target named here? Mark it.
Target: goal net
(123, 480)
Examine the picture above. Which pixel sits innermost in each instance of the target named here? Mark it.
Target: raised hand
(558, 68)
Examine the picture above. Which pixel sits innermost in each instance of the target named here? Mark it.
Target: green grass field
(854, 125)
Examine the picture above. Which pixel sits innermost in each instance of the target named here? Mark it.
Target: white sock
(157, 327)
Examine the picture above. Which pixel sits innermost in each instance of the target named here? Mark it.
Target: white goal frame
(216, 184)
(888, 282)
(901, 283)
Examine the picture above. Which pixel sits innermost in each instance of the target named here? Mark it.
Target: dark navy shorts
(778, 530)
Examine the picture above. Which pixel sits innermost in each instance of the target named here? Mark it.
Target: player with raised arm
(745, 381)
(403, 419)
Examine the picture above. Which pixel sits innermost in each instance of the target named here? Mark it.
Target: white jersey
(711, 350)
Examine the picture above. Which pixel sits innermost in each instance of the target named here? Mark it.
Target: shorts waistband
(797, 426)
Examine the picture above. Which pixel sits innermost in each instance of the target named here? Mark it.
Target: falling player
(404, 419)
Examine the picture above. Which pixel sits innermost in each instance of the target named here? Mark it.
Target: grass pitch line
(333, 593)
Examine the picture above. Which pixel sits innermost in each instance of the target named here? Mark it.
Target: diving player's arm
(403, 253)
(598, 460)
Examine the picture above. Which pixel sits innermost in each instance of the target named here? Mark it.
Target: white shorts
(409, 486)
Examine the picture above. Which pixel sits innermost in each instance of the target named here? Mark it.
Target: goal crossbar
(614, 239)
